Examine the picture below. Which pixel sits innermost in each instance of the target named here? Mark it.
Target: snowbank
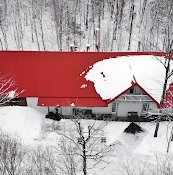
(23, 121)
(140, 143)
(113, 76)
(26, 122)
(150, 144)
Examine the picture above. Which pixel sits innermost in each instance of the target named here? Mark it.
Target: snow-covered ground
(134, 153)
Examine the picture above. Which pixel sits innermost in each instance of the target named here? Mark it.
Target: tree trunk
(115, 27)
(84, 157)
(170, 139)
(86, 23)
(131, 25)
(157, 128)
(1, 44)
(164, 91)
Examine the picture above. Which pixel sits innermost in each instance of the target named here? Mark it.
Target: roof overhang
(87, 102)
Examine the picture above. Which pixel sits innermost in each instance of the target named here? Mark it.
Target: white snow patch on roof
(84, 86)
(72, 104)
(82, 73)
(113, 76)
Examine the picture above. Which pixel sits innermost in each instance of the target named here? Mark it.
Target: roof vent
(88, 47)
(97, 39)
(139, 45)
(72, 48)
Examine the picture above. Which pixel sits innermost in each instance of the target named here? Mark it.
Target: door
(145, 107)
(114, 109)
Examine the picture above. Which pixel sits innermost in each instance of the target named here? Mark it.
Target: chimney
(88, 47)
(71, 47)
(97, 39)
(139, 46)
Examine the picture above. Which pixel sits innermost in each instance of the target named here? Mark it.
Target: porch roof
(134, 98)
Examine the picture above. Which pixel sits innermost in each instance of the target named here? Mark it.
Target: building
(57, 79)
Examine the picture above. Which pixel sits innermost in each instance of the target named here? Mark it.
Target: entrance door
(145, 107)
(114, 109)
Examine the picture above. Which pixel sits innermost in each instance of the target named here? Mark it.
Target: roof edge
(158, 104)
(110, 101)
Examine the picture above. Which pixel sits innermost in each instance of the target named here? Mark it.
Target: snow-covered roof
(114, 76)
(59, 77)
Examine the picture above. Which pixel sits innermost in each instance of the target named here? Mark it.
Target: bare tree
(17, 24)
(12, 154)
(82, 146)
(131, 23)
(7, 91)
(58, 20)
(163, 11)
(168, 74)
(117, 19)
(4, 23)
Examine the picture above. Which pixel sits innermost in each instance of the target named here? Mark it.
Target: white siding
(95, 110)
(33, 101)
(52, 109)
(125, 107)
(137, 91)
(122, 110)
(102, 110)
(67, 110)
(153, 108)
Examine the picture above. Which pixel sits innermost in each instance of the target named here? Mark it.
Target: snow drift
(23, 121)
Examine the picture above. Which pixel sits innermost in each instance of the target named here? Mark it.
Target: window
(145, 107)
(114, 107)
(131, 90)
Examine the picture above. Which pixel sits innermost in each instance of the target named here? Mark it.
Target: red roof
(55, 76)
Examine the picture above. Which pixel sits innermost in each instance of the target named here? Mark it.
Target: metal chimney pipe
(71, 47)
(97, 39)
(88, 47)
(139, 46)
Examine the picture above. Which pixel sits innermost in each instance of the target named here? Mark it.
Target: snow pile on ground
(148, 143)
(113, 76)
(23, 121)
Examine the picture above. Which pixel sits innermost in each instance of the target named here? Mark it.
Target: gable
(138, 95)
(136, 91)
(125, 96)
